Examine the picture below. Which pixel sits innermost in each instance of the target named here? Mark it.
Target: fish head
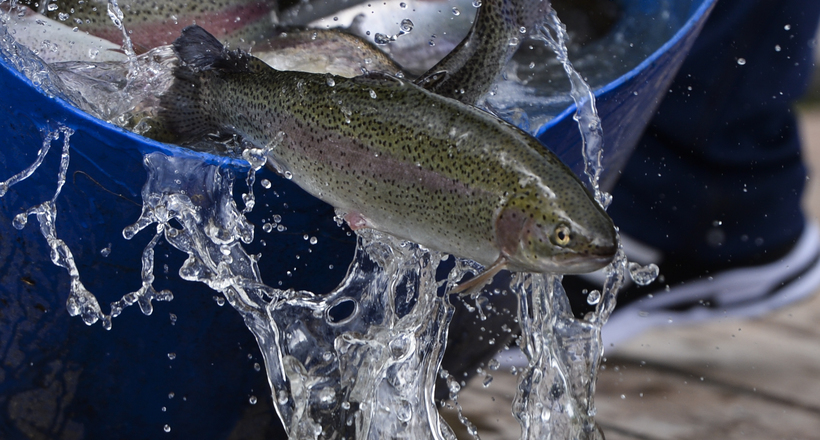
(539, 232)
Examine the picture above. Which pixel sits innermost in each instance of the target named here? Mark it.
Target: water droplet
(493, 364)
(330, 81)
(267, 227)
(404, 411)
(522, 29)
(593, 297)
(643, 275)
(265, 183)
(476, 3)
(741, 61)
(403, 5)
(106, 251)
(172, 355)
(787, 27)
(173, 319)
(20, 221)
(327, 396)
(777, 48)
(288, 175)
(252, 400)
(373, 94)
(345, 405)
(277, 218)
(313, 240)
(52, 7)
(488, 379)
(406, 26)
(220, 301)
(453, 386)
(166, 428)
(456, 12)
(282, 397)
(381, 38)
(400, 345)
(256, 366)
(62, 16)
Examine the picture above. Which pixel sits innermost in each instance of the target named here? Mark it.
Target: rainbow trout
(395, 158)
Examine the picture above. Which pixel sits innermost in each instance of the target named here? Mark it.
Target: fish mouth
(588, 261)
(585, 263)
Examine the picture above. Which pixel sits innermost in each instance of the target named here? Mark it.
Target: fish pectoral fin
(356, 220)
(432, 79)
(476, 283)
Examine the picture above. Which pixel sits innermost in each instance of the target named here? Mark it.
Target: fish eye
(561, 235)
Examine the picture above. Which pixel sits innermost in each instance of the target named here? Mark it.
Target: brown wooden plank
(658, 404)
(757, 355)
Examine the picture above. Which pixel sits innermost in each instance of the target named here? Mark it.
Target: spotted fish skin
(468, 72)
(405, 161)
(153, 23)
(323, 51)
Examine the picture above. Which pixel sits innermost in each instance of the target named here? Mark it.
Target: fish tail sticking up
(185, 115)
(201, 51)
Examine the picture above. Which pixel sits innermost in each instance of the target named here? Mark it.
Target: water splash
(116, 16)
(359, 362)
(81, 302)
(555, 394)
(554, 34)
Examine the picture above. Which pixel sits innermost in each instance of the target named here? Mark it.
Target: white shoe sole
(743, 292)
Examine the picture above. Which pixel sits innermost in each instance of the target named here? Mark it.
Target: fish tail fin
(201, 51)
(188, 111)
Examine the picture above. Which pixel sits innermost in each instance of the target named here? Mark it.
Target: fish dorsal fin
(431, 80)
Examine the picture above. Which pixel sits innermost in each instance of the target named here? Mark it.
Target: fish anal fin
(473, 285)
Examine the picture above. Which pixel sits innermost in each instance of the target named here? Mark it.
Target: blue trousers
(718, 175)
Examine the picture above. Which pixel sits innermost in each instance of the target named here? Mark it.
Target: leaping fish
(394, 157)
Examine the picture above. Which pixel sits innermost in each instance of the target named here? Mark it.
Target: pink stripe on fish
(220, 24)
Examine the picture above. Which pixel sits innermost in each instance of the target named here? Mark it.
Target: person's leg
(716, 181)
(718, 174)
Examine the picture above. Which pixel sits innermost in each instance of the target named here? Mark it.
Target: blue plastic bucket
(62, 379)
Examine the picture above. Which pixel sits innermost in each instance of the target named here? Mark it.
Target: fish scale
(409, 162)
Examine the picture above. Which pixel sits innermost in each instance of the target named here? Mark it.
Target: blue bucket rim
(145, 145)
(635, 71)
(150, 145)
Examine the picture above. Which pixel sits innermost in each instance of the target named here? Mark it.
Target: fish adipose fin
(473, 285)
(183, 116)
